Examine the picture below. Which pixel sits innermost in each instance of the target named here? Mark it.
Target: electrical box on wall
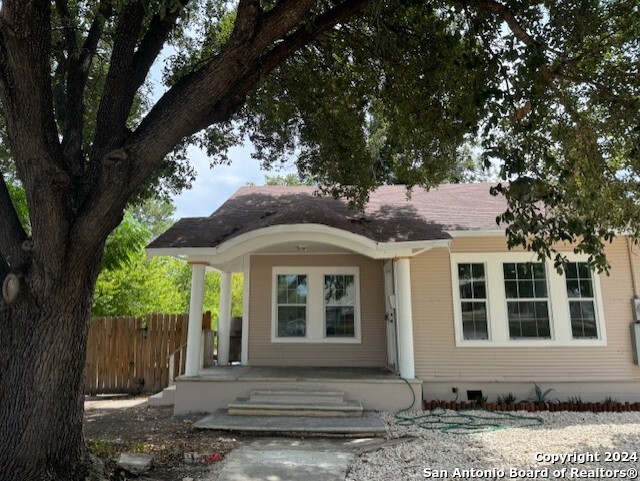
(635, 340)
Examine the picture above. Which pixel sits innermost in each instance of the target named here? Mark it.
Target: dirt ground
(115, 424)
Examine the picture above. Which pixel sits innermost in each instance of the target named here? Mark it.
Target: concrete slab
(369, 424)
(260, 464)
(135, 463)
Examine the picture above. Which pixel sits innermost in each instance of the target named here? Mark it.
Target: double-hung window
(473, 300)
(339, 305)
(525, 286)
(291, 308)
(582, 307)
(316, 304)
(512, 299)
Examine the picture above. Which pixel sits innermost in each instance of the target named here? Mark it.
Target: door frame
(390, 315)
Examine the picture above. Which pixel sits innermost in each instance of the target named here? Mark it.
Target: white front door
(390, 315)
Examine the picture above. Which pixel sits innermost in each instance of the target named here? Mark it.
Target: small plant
(508, 398)
(611, 401)
(541, 397)
(575, 400)
(482, 400)
(102, 448)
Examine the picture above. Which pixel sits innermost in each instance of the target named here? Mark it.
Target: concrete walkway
(280, 459)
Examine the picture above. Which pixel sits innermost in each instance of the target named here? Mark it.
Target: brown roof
(389, 215)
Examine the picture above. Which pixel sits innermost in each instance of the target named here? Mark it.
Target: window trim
(498, 326)
(315, 328)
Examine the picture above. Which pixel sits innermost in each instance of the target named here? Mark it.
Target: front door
(390, 316)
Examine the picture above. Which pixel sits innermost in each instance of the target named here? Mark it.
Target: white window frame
(315, 328)
(497, 319)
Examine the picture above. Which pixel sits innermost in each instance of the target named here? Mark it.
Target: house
(421, 288)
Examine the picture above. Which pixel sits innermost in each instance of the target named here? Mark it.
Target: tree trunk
(42, 360)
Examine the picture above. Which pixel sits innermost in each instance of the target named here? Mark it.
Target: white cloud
(215, 185)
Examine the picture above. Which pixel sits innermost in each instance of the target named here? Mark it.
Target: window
(507, 299)
(581, 301)
(473, 300)
(316, 304)
(292, 305)
(339, 305)
(525, 286)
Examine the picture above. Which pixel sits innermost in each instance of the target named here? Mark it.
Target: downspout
(634, 278)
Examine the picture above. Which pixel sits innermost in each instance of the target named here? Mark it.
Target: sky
(215, 185)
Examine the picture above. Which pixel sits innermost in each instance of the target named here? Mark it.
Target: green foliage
(141, 286)
(125, 243)
(413, 92)
(132, 284)
(287, 179)
(19, 199)
(508, 398)
(399, 94)
(611, 401)
(539, 396)
(155, 214)
(372, 103)
(575, 400)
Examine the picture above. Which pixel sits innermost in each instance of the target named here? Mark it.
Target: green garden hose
(467, 421)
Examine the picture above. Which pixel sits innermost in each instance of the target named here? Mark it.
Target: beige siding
(371, 352)
(438, 359)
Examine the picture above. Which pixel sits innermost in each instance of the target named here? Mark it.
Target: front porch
(377, 389)
(316, 299)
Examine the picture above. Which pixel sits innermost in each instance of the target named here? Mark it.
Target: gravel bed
(443, 455)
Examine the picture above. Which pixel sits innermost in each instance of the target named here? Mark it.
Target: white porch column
(194, 334)
(405, 318)
(224, 318)
(244, 354)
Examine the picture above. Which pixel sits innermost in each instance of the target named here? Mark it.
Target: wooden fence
(131, 354)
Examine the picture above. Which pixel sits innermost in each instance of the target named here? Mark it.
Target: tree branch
(247, 19)
(301, 37)
(508, 16)
(71, 98)
(12, 233)
(114, 108)
(128, 71)
(25, 88)
(276, 56)
(210, 94)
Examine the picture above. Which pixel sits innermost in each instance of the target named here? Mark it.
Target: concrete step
(245, 407)
(166, 397)
(296, 396)
(369, 424)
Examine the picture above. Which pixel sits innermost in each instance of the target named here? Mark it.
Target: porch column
(194, 334)
(224, 318)
(405, 318)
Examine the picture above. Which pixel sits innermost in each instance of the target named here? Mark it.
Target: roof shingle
(389, 216)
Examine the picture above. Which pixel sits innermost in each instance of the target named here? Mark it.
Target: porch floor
(369, 424)
(295, 373)
(377, 389)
